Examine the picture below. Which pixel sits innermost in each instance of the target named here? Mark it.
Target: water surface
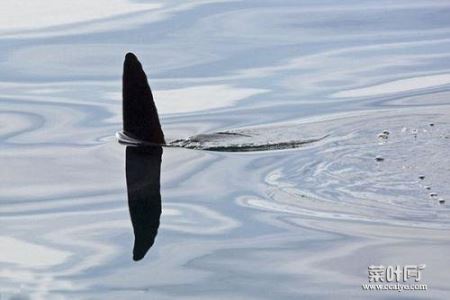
(290, 224)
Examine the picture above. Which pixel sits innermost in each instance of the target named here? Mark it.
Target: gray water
(287, 224)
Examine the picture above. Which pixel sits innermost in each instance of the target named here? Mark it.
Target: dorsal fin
(140, 116)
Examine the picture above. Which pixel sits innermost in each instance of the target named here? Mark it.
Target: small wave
(246, 147)
(224, 142)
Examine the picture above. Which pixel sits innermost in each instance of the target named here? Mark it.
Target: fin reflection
(143, 168)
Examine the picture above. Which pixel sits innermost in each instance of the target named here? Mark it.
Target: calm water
(291, 224)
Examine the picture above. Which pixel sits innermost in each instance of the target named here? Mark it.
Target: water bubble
(422, 177)
(414, 132)
(382, 137)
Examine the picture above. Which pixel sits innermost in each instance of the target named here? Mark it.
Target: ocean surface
(371, 76)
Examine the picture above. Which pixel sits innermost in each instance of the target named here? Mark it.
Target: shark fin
(140, 116)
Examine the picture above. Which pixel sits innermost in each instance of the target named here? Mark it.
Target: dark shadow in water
(143, 168)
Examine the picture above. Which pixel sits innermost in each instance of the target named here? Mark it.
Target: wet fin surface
(220, 142)
(140, 116)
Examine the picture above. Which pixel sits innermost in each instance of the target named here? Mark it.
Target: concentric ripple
(386, 167)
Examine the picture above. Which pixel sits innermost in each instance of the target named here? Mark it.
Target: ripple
(21, 14)
(398, 86)
(340, 177)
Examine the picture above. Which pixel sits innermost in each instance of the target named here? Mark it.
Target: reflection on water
(231, 224)
(143, 169)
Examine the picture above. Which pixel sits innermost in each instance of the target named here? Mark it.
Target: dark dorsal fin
(140, 116)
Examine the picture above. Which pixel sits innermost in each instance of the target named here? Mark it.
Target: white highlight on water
(402, 85)
(25, 15)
